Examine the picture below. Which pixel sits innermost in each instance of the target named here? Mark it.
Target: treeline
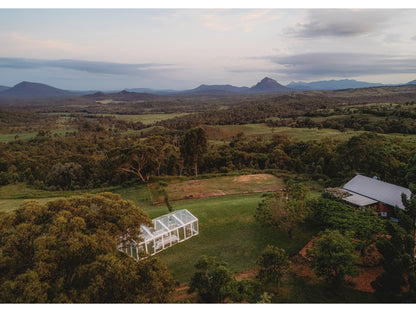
(353, 122)
(99, 158)
(398, 119)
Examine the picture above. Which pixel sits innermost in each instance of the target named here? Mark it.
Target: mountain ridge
(26, 90)
(333, 84)
(34, 90)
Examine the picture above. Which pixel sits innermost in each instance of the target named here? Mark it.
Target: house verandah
(167, 230)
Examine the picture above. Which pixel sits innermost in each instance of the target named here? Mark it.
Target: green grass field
(220, 134)
(9, 137)
(13, 195)
(147, 119)
(228, 231)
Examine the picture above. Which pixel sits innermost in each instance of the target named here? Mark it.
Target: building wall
(384, 208)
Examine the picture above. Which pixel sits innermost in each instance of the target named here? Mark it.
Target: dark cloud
(342, 64)
(84, 66)
(342, 23)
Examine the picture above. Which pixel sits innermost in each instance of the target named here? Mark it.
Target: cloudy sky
(108, 49)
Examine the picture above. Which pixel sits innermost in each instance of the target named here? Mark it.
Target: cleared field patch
(13, 195)
(222, 134)
(12, 204)
(220, 186)
(9, 137)
(147, 119)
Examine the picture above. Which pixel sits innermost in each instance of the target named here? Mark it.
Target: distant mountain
(332, 85)
(122, 96)
(268, 85)
(152, 91)
(32, 90)
(412, 82)
(2, 88)
(227, 88)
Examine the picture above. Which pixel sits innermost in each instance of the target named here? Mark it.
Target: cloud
(255, 15)
(342, 64)
(226, 20)
(342, 23)
(84, 66)
(18, 44)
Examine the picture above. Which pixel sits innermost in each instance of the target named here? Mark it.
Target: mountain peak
(269, 85)
(268, 80)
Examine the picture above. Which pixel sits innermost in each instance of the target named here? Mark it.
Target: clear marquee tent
(167, 231)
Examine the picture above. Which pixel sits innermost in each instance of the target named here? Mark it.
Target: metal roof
(359, 200)
(377, 190)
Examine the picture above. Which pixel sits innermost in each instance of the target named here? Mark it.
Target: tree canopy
(213, 280)
(332, 257)
(273, 262)
(66, 251)
(284, 211)
(194, 145)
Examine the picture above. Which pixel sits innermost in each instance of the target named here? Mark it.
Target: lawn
(228, 231)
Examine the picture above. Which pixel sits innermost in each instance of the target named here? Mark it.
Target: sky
(113, 49)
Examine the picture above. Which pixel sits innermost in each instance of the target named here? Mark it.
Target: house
(365, 192)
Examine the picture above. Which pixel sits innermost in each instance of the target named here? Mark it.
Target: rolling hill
(121, 96)
(33, 90)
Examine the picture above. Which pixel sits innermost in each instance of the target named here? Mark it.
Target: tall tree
(66, 251)
(284, 211)
(213, 280)
(410, 209)
(396, 250)
(273, 263)
(193, 146)
(332, 257)
(139, 160)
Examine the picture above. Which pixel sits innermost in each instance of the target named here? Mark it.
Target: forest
(308, 141)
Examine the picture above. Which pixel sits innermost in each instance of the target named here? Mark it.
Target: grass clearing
(224, 134)
(228, 231)
(221, 134)
(12, 204)
(147, 119)
(219, 186)
(13, 195)
(10, 137)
